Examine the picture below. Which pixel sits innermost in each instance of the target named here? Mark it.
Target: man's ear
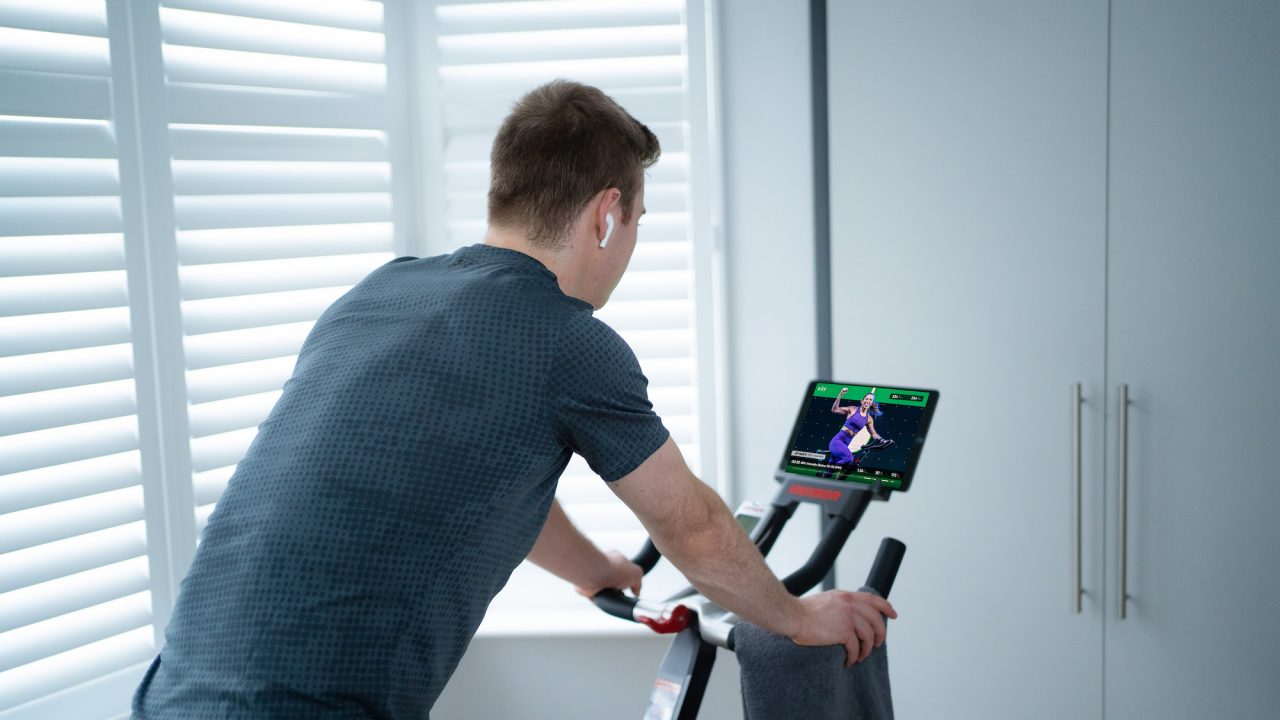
(608, 203)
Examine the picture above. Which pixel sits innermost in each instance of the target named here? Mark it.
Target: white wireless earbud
(608, 230)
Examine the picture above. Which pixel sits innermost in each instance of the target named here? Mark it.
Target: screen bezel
(917, 444)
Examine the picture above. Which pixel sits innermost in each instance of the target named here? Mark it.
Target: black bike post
(821, 206)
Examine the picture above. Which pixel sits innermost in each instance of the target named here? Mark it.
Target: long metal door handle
(1077, 590)
(1124, 500)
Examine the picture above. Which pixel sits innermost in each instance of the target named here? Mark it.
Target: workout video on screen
(857, 433)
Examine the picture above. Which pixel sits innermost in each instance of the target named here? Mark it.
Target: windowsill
(557, 622)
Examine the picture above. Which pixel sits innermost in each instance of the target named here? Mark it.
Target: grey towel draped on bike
(783, 680)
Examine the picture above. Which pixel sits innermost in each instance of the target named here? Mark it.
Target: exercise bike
(700, 626)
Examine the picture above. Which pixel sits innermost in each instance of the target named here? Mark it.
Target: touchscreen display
(860, 433)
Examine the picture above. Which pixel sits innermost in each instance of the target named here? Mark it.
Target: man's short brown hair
(563, 143)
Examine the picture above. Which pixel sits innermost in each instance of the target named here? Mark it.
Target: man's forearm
(564, 551)
(722, 563)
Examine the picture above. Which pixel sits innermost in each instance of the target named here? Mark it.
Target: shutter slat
(66, 368)
(208, 485)
(68, 443)
(205, 29)
(658, 257)
(651, 315)
(198, 247)
(334, 13)
(658, 285)
(472, 144)
(65, 406)
(203, 512)
(672, 167)
(231, 142)
(35, 177)
(63, 16)
(220, 383)
(683, 429)
(223, 280)
(202, 177)
(588, 43)
(609, 74)
(55, 483)
(46, 600)
(81, 627)
(59, 215)
(53, 52)
(56, 254)
(247, 311)
(221, 211)
(465, 232)
(48, 523)
(671, 401)
(663, 372)
(65, 557)
(480, 113)
(238, 413)
(221, 450)
(48, 332)
(466, 205)
(88, 698)
(666, 197)
(240, 346)
(184, 64)
(486, 17)
(50, 95)
(62, 293)
(669, 174)
(73, 667)
(56, 137)
(226, 105)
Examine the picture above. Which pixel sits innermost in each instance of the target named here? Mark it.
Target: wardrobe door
(968, 160)
(1193, 334)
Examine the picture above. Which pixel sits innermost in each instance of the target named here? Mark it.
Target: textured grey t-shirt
(403, 474)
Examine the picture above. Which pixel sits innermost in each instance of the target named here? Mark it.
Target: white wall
(768, 244)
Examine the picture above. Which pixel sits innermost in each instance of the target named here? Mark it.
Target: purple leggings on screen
(839, 447)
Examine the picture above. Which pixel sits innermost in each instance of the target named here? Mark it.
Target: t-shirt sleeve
(600, 400)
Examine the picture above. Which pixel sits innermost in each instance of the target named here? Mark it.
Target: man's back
(406, 469)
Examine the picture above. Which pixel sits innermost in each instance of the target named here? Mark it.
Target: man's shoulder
(581, 328)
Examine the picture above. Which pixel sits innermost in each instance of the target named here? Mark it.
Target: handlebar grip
(885, 568)
(616, 604)
(648, 556)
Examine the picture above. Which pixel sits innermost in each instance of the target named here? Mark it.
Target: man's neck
(560, 261)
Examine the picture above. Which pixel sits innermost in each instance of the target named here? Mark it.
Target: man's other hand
(620, 574)
(840, 617)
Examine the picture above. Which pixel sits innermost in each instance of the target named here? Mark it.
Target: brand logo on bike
(815, 493)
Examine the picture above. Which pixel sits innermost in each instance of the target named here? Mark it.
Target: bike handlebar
(619, 604)
(884, 570)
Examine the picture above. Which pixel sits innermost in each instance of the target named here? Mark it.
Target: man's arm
(564, 551)
(694, 529)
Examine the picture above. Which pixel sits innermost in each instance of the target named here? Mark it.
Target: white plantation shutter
(75, 594)
(488, 54)
(184, 186)
(282, 196)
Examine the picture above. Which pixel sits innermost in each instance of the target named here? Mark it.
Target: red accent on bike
(672, 621)
(812, 492)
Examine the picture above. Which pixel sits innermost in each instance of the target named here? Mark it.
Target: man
(412, 460)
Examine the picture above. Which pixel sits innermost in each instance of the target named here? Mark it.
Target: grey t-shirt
(405, 471)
